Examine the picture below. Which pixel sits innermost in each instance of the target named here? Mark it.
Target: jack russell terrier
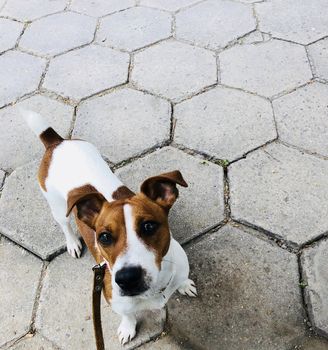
(129, 231)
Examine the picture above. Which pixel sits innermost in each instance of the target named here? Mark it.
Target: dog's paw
(188, 288)
(127, 330)
(74, 247)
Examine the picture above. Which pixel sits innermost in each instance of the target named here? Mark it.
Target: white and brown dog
(128, 231)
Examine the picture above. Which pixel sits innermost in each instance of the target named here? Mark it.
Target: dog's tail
(41, 128)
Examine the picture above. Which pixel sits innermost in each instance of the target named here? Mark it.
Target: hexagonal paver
(58, 33)
(20, 74)
(86, 71)
(20, 145)
(248, 290)
(32, 9)
(9, 33)
(35, 342)
(19, 279)
(319, 55)
(25, 216)
(65, 306)
(282, 191)
(174, 70)
(205, 189)
(169, 5)
(126, 115)
(223, 122)
(99, 8)
(299, 21)
(212, 23)
(267, 68)
(302, 118)
(134, 28)
(315, 260)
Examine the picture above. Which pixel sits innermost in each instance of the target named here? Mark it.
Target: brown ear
(88, 202)
(162, 188)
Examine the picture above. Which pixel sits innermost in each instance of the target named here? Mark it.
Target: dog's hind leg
(58, 205)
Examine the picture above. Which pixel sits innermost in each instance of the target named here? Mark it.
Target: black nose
(129, 278)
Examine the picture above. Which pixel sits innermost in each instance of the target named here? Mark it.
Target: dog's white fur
(75, 163)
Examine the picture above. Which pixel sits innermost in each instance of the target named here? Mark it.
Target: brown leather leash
(98, 283)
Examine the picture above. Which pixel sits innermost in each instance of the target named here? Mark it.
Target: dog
(126, 230)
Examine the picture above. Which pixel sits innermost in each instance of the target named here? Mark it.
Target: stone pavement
(234, 93)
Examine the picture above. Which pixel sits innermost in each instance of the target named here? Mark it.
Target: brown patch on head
(49, 137)
(146, 210)
(122, 193)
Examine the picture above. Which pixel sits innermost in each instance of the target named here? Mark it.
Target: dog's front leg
(127, 329)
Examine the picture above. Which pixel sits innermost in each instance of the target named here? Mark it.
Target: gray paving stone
(249, 297)
(17, 142)
(9, 33)
(299, 21)
(314, 260)
(174, 70)
(267, 68)
(169, 5)
(2, 177)
(165, 343)
(32, 9)
(86, 71)
(134, 28)
(223, 122)
(212, 23)
(313, 343)
(135, 121)
(302, 118)
(35, 342)
(58, 33)
(65, 306)
(319, 55)
(205, 189)
(19, 279)
(98, 8)
(25, 216)
(20, 74)
(282, 191)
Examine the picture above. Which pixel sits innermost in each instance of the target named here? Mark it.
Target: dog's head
(132, 231)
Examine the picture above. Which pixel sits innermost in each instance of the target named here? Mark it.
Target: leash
(98, 283)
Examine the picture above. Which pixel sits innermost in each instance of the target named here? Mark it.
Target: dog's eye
(148, 227)
(106, 238)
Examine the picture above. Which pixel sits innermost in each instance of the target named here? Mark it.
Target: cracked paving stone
(174, 70)
(213, 24)
(266, 68)
(25, 216)
(71, 317)
(302, 118)
(20, 145)
(164, 343)
(9, 33)
(319, 54)
(314, 260)
(58, 33)
(98, 8)
(87, 71)
(281, 190)
(234, 122)
(168, 5)
(20, 74)
(35, 342)
(134, 28)
(247, 289)
(124, 115)
(19, 280)
(205, 189)
(32, 9)
(2, 177)
(296, 20)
